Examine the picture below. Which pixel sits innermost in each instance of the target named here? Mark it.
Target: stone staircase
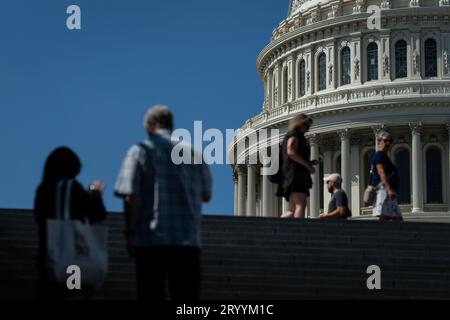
(268, 258)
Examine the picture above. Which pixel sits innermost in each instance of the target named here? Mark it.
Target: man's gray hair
(158, 115)
(383, 135)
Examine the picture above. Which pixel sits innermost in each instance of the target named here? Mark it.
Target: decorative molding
(385, 4)
(401, 140)
(330, 73)
(416, 128)
(377, 129)
(355, 140)
(433, 138)
(278, 48)
(308, 79)
(414, 3)
(313, 18)
(313, 139)
(445, 61)
(370, 142)
(275, 96)
(359, 6)
(235, 176)
(335, 11)
(241, 169)
(329, 143)
(416, 62)
(356, 68)
(344, 134)
(386, 65)
(266, 103)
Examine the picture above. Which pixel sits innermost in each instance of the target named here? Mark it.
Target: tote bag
(74, 243)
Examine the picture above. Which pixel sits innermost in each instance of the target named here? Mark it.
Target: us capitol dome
(355, 75)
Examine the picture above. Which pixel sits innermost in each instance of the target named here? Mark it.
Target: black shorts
(296, 188)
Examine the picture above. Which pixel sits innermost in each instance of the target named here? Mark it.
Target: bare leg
(290, 213)
(300, 204)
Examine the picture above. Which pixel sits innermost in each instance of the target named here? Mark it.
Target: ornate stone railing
(351, 97)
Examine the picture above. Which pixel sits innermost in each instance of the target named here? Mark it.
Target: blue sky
(88, 89)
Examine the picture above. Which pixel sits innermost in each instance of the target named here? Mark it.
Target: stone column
(285, 207)
(327, 170)
(448, 171)
(417, 172)
(251, 191)
(355, 194)
(269, 90)
(345, 161)
(275, 206)
(241, 191)
(266, 196)
(279, 85)
(291, 78)
(235, 183)
(315, 191)
(276, 87)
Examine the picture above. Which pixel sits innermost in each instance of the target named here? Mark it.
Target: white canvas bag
(72, 242)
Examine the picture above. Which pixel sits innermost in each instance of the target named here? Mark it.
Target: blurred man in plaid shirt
(163, 203)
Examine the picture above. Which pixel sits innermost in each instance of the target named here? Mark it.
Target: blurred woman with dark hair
(62, 165)
(297, 167)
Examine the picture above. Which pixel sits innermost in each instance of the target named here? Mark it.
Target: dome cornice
(353, 24)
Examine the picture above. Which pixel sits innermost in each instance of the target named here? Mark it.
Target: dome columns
(251, 190)
(448, 160)
(241, 186)
(315, 191)
(417, 171)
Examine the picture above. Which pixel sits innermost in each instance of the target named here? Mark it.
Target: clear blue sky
(89, 89)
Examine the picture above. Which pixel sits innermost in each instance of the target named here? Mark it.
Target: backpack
(277, 178)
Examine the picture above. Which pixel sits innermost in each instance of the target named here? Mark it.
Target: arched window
(285, 85)
(367, 163)
(345, 66)
(372, 61)
(434, 175)
(402, 161)
(430, 58)
(401, 67)
(302, 76)
(322, 71)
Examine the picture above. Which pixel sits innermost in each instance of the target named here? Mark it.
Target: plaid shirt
(170, 195)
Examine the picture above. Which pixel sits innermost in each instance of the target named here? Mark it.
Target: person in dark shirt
(62, 165)
(338, 206)
(384, 177)
(297, 167)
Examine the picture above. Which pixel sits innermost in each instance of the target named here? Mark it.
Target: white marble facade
(325, 61)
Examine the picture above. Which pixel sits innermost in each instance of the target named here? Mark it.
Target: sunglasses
(386, 140)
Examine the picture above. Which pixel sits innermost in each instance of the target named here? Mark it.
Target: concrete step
(261, 258)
